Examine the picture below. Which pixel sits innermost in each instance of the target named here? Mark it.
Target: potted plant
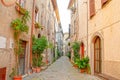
(18, 25)
(39, 45)
(83, 65)
(76, 48)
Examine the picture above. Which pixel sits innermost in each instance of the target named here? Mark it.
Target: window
(103, 2)
(92, 7)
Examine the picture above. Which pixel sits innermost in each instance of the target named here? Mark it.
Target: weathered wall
(7, 15)
(105, 23)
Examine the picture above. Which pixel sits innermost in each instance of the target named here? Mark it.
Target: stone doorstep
(106, 77)
(23, 76)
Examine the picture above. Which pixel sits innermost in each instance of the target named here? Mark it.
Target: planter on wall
(20, 9)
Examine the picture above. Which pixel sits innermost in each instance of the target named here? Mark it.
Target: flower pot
(83, 70)
(17, 78)
(38, 69)
(75, 66)
(34, 70)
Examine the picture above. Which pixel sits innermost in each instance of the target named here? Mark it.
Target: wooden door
(82, 50)
(3, 73)
(22, 59)
(97, 55)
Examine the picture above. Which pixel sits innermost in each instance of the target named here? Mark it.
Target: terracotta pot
(34, 70)
(17, 78)
(38, 69)
(83, 70)
(75, 66)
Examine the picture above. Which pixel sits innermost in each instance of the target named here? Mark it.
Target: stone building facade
(99, 34)
(41, 11)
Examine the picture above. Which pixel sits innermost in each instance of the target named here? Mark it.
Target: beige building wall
(105, 24)
(46, 17)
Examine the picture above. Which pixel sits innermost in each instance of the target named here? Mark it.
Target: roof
(56, 9)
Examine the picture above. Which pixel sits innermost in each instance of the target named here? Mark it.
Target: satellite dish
(8, 2)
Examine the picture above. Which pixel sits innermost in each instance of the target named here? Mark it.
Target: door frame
(92, 51)
(25, 55)
(98, 60)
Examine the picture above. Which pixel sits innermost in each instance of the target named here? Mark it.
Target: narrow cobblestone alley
(60, 70)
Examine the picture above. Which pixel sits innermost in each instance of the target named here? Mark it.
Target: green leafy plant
(39, 45)
(69, 55)
(83, 63)
(76, 48)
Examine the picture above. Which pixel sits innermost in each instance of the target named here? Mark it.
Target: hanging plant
(19, 26)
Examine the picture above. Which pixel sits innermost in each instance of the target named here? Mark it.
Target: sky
(64, 14)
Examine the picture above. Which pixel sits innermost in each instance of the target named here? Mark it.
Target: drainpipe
(87, 23)
(86, 2)
(33, 15)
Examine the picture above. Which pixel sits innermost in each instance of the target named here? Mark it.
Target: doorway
(82, 50)
(22, 58)
(97, 55)
(3, 73)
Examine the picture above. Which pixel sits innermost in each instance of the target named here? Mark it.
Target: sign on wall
(2, 42)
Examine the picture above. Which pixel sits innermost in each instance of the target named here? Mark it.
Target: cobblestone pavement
(60, 70)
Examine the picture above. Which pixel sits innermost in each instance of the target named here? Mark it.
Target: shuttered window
(103, 2)
(92, 7)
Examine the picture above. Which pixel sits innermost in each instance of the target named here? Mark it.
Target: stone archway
(96, 53)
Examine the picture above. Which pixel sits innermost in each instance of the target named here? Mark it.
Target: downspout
(33, 15)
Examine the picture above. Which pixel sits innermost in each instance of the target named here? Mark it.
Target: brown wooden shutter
(92, 7)
(103, 1)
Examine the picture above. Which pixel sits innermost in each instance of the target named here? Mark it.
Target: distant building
(59, 40)
(66, 44)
